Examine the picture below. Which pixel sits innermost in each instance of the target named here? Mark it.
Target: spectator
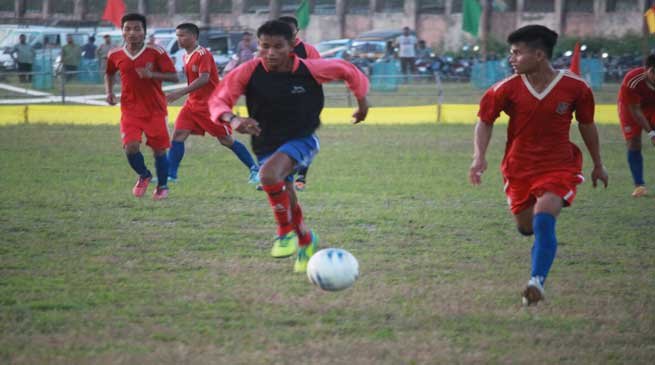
(423, 53)
(102, 51)
(246, 48)
(389, 51)
(71, 55)
(89, 49)
(152, 40)
(24, 58)
(407, 51)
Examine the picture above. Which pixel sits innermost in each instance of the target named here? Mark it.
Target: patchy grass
(88, 274)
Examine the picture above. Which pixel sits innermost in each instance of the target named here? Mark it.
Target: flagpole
(485, 27)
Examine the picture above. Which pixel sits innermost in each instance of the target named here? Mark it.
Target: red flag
(575, 60)
(114, 12)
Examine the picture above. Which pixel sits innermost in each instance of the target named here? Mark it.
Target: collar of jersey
(137, 54)
(187, 56)
(296, 63)
(543, 94)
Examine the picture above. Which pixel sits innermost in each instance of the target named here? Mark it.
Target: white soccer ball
(333, 269)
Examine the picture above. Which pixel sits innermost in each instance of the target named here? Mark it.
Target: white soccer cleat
(534, 292)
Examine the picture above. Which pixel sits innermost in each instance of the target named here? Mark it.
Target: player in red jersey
(636, 106)
(306, 51)
(284, 99)
(143, 103)
(194, 118)
(541, 167)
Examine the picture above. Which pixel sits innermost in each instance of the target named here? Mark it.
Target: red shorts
(199, 122)
(155, 128)
(523, 193)
(629, 127)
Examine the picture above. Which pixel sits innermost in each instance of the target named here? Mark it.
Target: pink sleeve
(165, 63)
(229, 90)
(585, 106)
(206, 63)
(312, 52)
(326, 70)
(491, 104)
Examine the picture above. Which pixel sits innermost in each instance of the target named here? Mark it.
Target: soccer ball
(333, 269)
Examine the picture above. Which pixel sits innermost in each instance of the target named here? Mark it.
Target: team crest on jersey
(298, 90)
(562, 108)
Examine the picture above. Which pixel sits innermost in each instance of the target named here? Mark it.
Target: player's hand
(171, 97)
(361, 112)
(144, 73)
(111, 99)
(478, 167)
(246, 126)
(599, 173)
(652, 140)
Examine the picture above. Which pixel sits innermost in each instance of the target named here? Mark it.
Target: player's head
(187, 35)
(530, 46)
(293, 23)
(275, 39)
(134, 28)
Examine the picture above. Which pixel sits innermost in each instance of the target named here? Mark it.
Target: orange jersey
(195, 63)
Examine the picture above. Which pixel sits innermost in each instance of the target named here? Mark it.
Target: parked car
(372, 45)
(336, 48)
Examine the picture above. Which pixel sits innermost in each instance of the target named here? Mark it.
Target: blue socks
(161, 164)
(138, 165)
(636, 162)
(175, 155)
(545, 245)
(242, 153)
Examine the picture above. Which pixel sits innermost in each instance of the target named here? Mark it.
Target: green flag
(302, 14)
(471, 11)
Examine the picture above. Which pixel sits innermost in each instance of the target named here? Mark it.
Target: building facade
(439, 22)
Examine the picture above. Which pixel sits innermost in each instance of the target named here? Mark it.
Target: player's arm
(481, 139)
(312, 52)
(202, 80)
(589, 134)
(640, 118)
(227, 94)
(325, 70)
(109, 82)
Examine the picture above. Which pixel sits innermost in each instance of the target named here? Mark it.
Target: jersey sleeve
(112, 67)
(585, 106)
(491, 104)
(629, 95)
(234, 85)
(311, 51)
(165, 63)
(206, 63)
(326, 70)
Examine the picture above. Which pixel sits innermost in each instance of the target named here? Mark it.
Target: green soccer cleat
(285, 246)
(305, 253)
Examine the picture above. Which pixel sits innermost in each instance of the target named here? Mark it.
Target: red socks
(278, 197)
(304, 236)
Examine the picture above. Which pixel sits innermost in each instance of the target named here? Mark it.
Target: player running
(541, 167)
(306, 51)
(284, 99)
(194, 118)
(636, 105)
(143, 104)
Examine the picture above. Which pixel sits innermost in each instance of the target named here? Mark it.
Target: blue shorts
(301, 150)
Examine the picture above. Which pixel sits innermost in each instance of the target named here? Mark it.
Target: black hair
(92, 39)
(276, 27)
(535, 37)
(134, 16)
(289, 20)
(650, 61)
(189, 27)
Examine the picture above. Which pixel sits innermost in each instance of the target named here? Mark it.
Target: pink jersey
(140, 97)
(305, 50)
(195, 63)
(538, 132)
(636, 90)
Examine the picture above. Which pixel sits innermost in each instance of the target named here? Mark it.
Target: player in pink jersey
(541, 167)
(143, 103)
(636, 106)
(194, 118)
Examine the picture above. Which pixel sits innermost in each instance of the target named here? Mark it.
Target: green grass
(89, 274)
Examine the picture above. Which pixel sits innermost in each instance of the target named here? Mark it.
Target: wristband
(651, 134)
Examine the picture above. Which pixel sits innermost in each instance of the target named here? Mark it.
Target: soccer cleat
(141, 186)
(160, 193)
(534, 292)
(285, 246)
(300, 185)
(305, 253)
(259, 187)
(640, 191)
(254, 176)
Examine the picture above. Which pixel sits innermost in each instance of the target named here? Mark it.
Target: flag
(471, 11)
(114, 11)
(650, 19)
(575, 59)
(302, 14)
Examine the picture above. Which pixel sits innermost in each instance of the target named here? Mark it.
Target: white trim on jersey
(547, 90)
(499, 84)
(136, 55)
(188, 56)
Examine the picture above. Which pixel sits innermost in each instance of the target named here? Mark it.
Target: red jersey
(197, 62)
(636, 90)
(539, 123)
(140, 97)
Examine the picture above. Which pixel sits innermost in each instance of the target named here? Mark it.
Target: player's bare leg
(636, 164)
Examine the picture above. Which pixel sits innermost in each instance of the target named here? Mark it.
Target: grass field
(91, 275)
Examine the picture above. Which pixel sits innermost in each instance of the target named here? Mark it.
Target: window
(391, 6)
(622, 5)
(158, 6)
(502, 6)
(220, 6)
(539, 6)
(256, 6)
(33, 6)
(456, 7)
(431, 6)
(325, 7)
(63, 6)
(358, 6)
(580, 6)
